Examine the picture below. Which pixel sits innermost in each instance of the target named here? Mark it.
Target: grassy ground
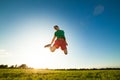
(32, 74)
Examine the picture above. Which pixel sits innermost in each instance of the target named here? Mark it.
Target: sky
(92, 30)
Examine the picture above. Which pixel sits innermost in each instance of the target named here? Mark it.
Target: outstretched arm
(66, 41)
(53, 40)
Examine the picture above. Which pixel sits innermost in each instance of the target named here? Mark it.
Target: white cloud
(99, 9)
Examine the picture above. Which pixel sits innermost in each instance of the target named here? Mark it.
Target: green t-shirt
(59, 34)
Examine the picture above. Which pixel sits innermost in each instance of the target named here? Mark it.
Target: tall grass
(32, 74)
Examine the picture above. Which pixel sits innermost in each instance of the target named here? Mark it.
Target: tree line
(90, 69)
(22, 66)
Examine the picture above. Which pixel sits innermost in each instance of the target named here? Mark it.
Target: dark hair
(56, 26)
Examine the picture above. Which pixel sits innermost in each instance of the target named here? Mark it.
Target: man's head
(56, 27)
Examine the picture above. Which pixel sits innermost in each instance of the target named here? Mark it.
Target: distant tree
(3, 66)
(12, 66)
(23, 66)
(16, 66)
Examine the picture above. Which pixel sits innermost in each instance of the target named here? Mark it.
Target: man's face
(56, 28)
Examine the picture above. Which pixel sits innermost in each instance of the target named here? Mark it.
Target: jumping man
(58, 40)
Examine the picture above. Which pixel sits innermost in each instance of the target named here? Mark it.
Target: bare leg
(52, 49)
(65, 51)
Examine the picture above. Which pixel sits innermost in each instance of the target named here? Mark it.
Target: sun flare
(36, 56)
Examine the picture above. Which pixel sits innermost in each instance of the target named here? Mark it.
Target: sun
(36, 56)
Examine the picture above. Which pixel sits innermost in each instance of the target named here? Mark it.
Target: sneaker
(48, 45)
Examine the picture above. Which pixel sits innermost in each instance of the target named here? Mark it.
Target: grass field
(34, 74)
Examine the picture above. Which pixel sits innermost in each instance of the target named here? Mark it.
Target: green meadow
(36, 74)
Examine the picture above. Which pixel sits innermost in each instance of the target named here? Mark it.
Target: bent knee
(52, 49)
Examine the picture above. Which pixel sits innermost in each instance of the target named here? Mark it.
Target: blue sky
(92, 29)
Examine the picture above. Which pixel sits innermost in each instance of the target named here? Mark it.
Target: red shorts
(60, 43)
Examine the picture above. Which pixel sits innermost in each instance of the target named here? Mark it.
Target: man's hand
(66, 43)
(48, 45)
